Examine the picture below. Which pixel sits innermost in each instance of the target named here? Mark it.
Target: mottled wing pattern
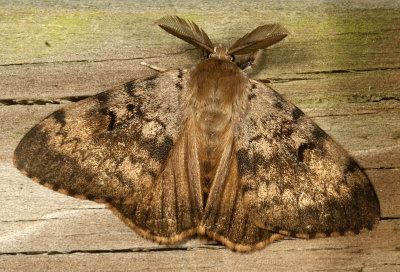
(172, 208)
(119, 147)
(226, 218)
(295, 179)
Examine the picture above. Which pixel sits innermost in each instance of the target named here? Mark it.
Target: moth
(205, 152)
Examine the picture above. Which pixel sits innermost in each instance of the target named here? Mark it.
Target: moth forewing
(205, 152)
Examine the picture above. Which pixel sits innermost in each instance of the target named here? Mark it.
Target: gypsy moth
(206, 151)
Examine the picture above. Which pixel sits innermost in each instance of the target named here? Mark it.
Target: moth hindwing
(206, 152)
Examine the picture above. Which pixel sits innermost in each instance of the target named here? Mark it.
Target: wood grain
(340, 65)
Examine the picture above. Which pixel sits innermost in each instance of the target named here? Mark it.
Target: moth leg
(156, 68)
(251, 60)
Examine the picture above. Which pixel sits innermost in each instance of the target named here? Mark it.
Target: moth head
(221, 52)
(260, 38)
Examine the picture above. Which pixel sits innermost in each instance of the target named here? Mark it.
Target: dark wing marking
(296, 179)
(118, 146)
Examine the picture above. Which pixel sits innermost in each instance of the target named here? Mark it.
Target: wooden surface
(341, 66)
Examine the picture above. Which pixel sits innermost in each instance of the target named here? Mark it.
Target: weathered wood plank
(375, 251)
(339, 33)
(320, 94)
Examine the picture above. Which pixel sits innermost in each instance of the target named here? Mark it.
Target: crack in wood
(110, 251)
(285, 80)
(349, 114)
(384, 99)
(328, 248)
(396, 264)
(29, 220)
(382, 168)
(42, 101)
(338, 71)
(68, 99)
(73, 61)
(385, 218)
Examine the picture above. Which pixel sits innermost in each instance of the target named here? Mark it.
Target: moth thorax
(220, 52)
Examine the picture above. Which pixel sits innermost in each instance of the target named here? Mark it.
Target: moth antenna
(187, 31)
(259, 38)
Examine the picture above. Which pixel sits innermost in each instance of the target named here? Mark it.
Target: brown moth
(203, 152)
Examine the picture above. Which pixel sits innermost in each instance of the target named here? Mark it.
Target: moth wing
(121, 146)
(187, 31)
(226, 217)
(172, 208)
(296, 180)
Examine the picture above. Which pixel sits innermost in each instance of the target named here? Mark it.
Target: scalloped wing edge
(200, 230)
